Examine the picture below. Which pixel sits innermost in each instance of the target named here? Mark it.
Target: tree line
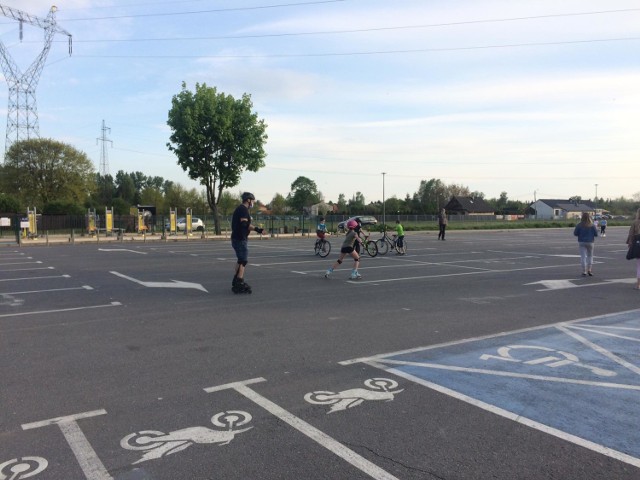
(215, 137)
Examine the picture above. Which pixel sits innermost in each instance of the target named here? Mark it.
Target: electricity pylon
(104, 158)
(22, 114)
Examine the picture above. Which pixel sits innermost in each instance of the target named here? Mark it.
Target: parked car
(363, 220)
(197, 225)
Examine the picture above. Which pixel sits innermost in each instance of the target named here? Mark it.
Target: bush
(9, 204)
(62, 208)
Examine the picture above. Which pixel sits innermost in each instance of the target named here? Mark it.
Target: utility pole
(22, 115)
(384, 221)
(104, 158)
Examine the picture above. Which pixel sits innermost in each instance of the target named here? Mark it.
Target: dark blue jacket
(585, 234)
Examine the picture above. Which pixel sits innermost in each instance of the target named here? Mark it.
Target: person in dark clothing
(240, 229)
(442, 223)
(586, 232)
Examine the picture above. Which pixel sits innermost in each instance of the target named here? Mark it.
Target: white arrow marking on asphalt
(554, 284)
(120, 250)
(171, 284)
(621, 280)
(560, 284)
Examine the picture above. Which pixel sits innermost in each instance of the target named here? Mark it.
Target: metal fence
(273, 224)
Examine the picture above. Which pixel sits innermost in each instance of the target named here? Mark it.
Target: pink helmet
(352, 224)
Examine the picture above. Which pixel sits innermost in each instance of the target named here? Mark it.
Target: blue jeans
(242, 250)
(586, 255)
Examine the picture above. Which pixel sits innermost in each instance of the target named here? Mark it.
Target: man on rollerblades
(240, 229)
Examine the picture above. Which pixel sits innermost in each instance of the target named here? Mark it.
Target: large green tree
(357, 204)
(105, 191)
(304, 193)
(40, 171)
(126, 188)
(278, 204)
(215, 137)
(431, 196)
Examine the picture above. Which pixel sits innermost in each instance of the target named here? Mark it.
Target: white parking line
(82, 449)
(437, 366)
(33, 278)
(421, 277)
(84, 287)
(29, 269)
(603, 351)
(306, 429)
(39, 312)
(516, 417)
(19, 263)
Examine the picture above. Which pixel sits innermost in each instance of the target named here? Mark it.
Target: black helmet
(247, 196)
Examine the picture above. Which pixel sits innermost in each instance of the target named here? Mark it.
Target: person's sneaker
(355, 276)
(327, 273)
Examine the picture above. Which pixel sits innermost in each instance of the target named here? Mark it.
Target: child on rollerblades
(348, 248)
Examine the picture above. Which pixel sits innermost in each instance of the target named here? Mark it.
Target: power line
(377, 52)
(362, 30)
(200, 12)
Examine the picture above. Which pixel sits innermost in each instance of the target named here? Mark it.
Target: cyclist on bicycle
(321, 229)
(399, 234)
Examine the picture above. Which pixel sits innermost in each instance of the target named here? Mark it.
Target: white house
(545, 209)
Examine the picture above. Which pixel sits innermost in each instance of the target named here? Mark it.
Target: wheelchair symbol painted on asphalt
(24, 467)
(380, 389)
(160, 444)
(550, 358)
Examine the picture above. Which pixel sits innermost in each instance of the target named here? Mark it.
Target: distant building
(545, 209)
(322, 209)
(469, 206)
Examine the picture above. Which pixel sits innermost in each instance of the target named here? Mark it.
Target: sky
(538, 99)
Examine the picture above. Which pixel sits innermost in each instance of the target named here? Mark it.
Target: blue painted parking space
(579, 381)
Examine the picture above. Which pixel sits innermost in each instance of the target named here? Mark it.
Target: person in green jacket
(399, 234)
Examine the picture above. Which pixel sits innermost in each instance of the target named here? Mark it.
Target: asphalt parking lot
(484, 356)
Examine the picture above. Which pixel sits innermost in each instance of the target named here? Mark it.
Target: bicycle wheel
(325, 249)
(402, 249)
(383, 246)
(371, 248)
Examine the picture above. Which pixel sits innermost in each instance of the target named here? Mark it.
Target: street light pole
(384, 222)
(596, 200)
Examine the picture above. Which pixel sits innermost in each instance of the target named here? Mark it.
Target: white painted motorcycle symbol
(23, 467)
(380, 389)
(557, 359)
(160, 444)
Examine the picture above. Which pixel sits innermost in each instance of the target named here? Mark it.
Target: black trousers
(441, 233)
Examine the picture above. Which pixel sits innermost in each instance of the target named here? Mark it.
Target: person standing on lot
(586, 232)
(633, 231)
(603, 226)
(442, 223)
(399, 234)
(348, 248)
(240, 229)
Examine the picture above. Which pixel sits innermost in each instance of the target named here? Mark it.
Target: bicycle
(322, 247)
(386, 242)
(369, 245)
(400, 250)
